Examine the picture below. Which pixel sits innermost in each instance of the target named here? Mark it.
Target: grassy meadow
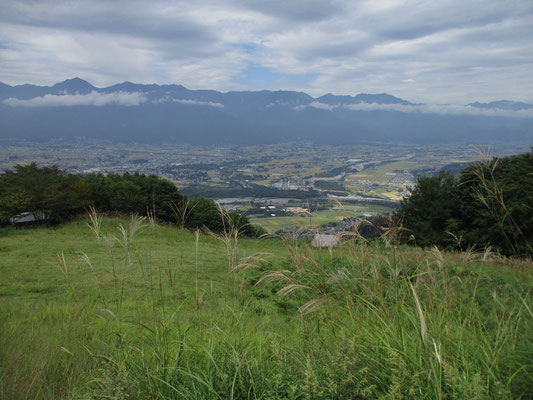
(124, 308)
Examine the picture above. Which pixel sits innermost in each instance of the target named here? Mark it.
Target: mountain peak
(74, 85)
(380, 98)
(128, 86)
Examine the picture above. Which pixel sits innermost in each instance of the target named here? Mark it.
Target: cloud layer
(90, 99)
(452, 51)
(449, 109)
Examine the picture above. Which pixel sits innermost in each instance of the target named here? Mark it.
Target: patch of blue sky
(4, 45)
(297, 81)
(248, 47)
(258, 77)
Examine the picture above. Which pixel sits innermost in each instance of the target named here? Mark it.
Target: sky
(438, 52)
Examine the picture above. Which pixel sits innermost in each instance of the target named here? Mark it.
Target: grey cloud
(302, 10)
(90, 99)
(132, 18)
(417, 19)
(445, 26)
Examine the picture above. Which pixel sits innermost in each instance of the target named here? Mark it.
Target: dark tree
(491, 204)
(54, 196)
(48, 193)
(432, 209)
(498, 204)
(134, 193)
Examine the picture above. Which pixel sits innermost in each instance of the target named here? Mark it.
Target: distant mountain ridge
(276, 97)
(381, 98)
(150, 112)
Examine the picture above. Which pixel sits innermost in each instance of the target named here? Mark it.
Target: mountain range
(162, 113)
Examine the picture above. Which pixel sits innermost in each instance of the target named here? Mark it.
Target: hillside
(149, 311)
(173, 113)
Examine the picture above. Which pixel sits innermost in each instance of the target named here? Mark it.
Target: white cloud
(316, 104)
(199, 103)
(424, 108)
(90, 99)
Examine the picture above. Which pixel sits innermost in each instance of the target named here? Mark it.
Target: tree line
(53, 196)
(490, 203)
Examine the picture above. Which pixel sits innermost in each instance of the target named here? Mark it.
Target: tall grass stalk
(95, 222)
(199, 301)
(63, 267)
(489, 193)
(229, 236)
(181, 212)
(85, 258)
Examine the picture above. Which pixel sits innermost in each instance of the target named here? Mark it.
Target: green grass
(152, 317)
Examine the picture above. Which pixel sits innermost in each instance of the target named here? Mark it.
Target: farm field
(149, 311)
(321, 217)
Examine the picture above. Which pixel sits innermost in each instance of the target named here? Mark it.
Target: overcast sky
(445, 51)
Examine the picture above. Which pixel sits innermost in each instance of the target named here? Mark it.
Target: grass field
(152, 312)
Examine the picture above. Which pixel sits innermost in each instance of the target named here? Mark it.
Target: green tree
(498, 203)
(491, 204)
(205, 213)
(48, 193)
(55, 196)
(134, 193)
(433, 207)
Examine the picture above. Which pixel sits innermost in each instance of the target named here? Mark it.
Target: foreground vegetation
(131, 309)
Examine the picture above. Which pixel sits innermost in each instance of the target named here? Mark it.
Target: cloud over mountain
(199, 103)
(445, 109)
(91, 99)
